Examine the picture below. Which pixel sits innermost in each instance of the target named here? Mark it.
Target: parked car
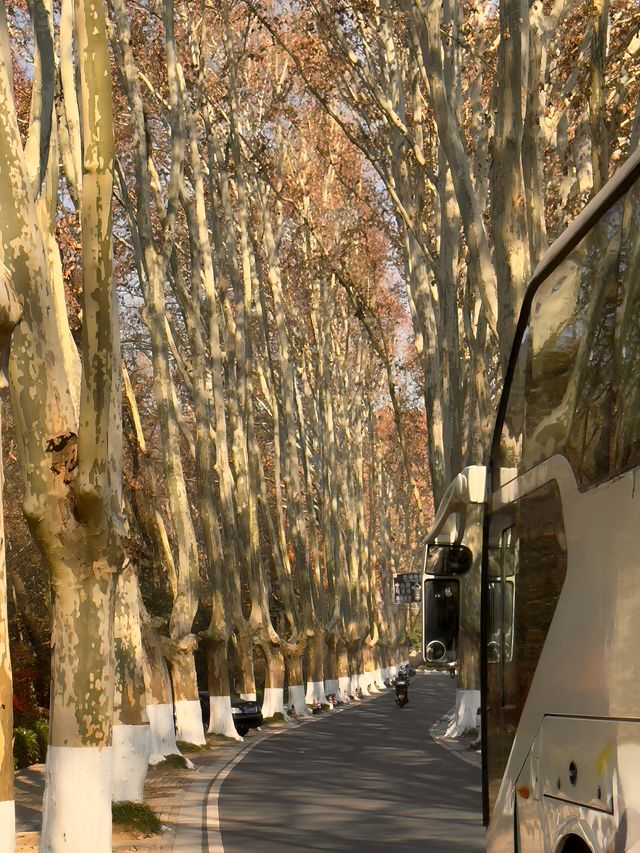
(247, 714)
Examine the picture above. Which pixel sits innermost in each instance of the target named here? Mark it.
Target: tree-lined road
(368, 779)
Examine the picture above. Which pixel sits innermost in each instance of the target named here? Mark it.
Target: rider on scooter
(402, 689)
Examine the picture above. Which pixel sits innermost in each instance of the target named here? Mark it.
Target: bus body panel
(577, 778)
(589, 664)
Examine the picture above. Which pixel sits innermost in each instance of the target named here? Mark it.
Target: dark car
(246, 713)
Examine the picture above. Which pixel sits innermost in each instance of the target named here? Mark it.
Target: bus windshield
(575, 389)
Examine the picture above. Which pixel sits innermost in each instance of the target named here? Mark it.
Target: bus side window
(570, 382)
(526, 575)
(575, 390)
(626, 445)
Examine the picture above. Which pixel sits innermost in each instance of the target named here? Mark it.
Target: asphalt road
(366, 779)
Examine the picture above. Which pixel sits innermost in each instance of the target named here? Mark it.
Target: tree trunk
(598, 94)
(9, 316)
(79, 757)
(159, 699)
(273, 702)
(295, 681)
(315, 676)
(186, 702)
(331, 682)
(245, 662)
(344, 672)
(7, 806)
(71, 460)
(356, 665)
(131, 732)
(220, 717)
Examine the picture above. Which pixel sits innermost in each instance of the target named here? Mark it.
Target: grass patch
(212, 737)
(136, 817)
(185, 746)
(178, 761)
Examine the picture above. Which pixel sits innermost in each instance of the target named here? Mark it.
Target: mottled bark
(156, 675)
(131, 734)
(508, 213)
(9, 316)
(71, 463)
(129, 700)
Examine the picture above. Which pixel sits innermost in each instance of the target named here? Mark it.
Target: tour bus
(560, 606)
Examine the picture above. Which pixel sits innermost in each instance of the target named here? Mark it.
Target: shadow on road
(366, 779)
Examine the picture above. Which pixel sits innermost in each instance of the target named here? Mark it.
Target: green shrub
(26, 749)
(137, 817)
(41, 728)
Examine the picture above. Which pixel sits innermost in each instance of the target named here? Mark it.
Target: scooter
(402, 692)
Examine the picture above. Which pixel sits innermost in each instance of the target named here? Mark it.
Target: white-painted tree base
(370, 681)
(393, 671)
(359, 682)
(163, 733)
(384, 674)
(273, 702)
(466, 716)
(221, 718)
(315, 690)
(189, 727)
(297, 700)
(331, 685)
(248, 697)
(364, 683)
(344, 685)
(131, 748)
(76, 814)
(7, 826)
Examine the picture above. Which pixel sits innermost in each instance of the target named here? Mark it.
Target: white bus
(561, 559)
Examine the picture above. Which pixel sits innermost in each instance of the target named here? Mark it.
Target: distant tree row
(487, 126)
(217, 438)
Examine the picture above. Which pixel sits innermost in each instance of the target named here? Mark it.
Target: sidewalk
(463, 747)
(175, 794)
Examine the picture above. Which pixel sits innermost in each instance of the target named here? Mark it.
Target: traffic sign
(407, 588)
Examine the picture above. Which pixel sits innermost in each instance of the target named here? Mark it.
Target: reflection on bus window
(501, 614)
(526, 575)
(627, 350)
(448, 560)
(575, 389)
